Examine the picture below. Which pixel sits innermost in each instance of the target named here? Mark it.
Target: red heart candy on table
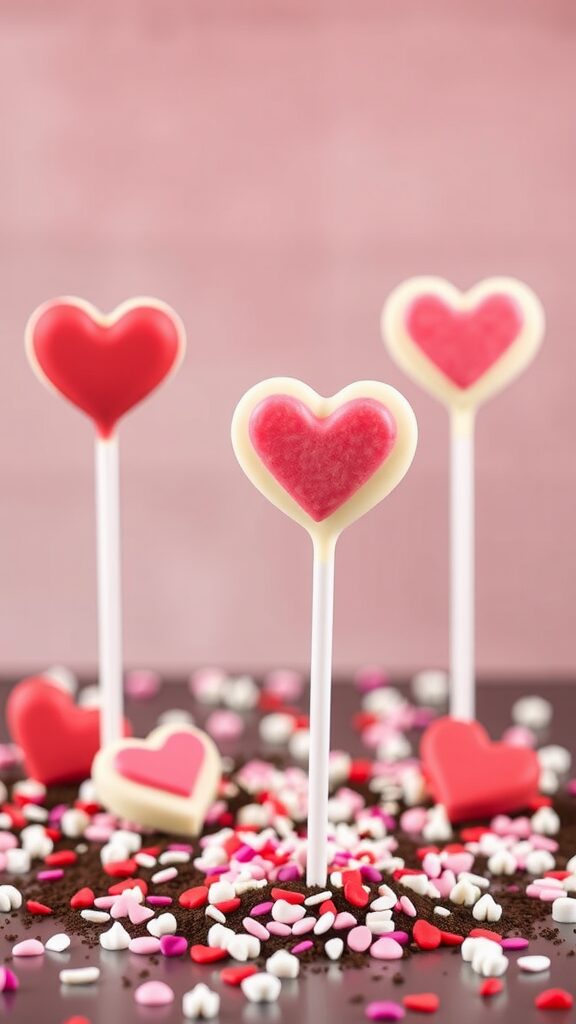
(422, 1002)
(464, 344)
(104, 365)
(58, 739)
(473, 777)
(321, 461)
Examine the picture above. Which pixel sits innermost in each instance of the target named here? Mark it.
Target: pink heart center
(321, 461)
(464, 344)
(173, 767)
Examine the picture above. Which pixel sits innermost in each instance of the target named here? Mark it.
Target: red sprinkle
(450, 939)
(491, 987)
(128, 883)
(190, 899)
(121, 868)
(207, 954)
(426, 935)
(485, 933)
(229, 906)
(328, 907)
(288, 895)
(61, 859)
(83, 899)
(236, 975)
(474, 834)
(360, 771)
(423, 1002)
(554, 999)
(38, 908)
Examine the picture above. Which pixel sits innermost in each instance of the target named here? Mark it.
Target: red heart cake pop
(104, 365)
(57, 738)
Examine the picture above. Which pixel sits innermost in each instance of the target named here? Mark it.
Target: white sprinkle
(564, 910)
(79, 975)
(215, 914)
(10, 898)
(533, 964)
(334, 948)
(283, 964)
(442, 911)
(532, 712)
(324, 923)
(316, 898)
(115, 938)
(486, 909)
(166, 924)
(261, 988)
(95, 916)
(166, 875)
(17, 861)
(200, 1003)
(174, 857)
(57, 943)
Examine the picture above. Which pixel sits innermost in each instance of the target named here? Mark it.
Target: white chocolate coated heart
(324, 461)
(463, 347)
(166, 781)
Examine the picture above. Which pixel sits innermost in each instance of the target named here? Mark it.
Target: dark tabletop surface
(322, 993)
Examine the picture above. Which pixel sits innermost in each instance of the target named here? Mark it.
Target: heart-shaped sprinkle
(422, 1002)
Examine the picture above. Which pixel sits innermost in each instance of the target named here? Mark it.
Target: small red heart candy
(485, 933)
(554, 999)
(426, 935)
(422, 1002)
(207, 954)
(472, 777)
(58, 739)
(128, 883)
(83, 899)
(491, 987)
(236, 975)
(193, 898)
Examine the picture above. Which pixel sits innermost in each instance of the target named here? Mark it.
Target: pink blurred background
(273, 168)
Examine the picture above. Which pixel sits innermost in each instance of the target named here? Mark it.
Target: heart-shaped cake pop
(473, 777)
(104, 365)
(324, 461)
(463, 347)
(58, 739)
(166, 781)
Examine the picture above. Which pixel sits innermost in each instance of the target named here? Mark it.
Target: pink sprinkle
(359, 938)
(154, 993)
(344, 920)
(261, 908)
(386, 948)
(407, 906)
(371, 678)
(50, 876)
(571, 787)
(145, 945)
(8, 841)
(289, 873)
(98, 833)
(8, 980)
(173, 945)
(105, 902)
(519, 736)
(303, 926)
(285, 684)
(279, 928)
(402, 937)
(515, 942)
(413, 821)
(224, 725)
(159, 901)
(142, 684)
(255, 928)
(458, 862)
(301, 947)
(384, 1010)
(28, 947)
(181, 847)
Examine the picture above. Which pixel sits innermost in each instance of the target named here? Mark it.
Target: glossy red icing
(464, 344)
(321, 461)
(58, 739)
(473, 777)
(173, 767)
(105, 368)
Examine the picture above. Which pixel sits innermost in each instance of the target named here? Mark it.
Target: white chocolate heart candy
(463, 347)
(324, 461)
(166, 781)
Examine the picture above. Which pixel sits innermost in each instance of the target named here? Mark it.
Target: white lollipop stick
(109, 589)
(320, 697)
(462, 690)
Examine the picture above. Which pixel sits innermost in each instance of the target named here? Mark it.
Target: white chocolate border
(416, 364)
(157, 808)
(104, 320)
(325, 533)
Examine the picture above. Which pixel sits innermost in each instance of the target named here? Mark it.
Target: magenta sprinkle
(173, 945)
(571, 787)
(370, 874)
(402, 937)
(261, 908)
(290, 873)
(217, 870)
(50, 876)
(56, 813)
(515, 942)
(301, 947)
(181, 847)
(245, 853)
(159, 901)
(384, 1010)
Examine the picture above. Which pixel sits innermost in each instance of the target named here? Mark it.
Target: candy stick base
(320, 696)
(462, 674)
(109, 589)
